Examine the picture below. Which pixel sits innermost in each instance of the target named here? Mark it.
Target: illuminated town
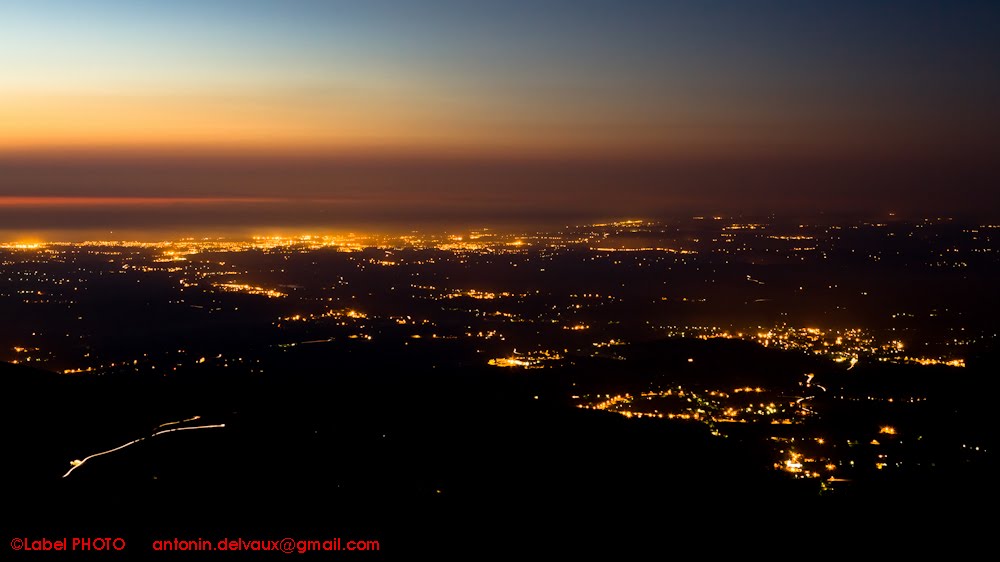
(554, 302)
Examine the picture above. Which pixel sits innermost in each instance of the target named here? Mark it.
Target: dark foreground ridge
(426, 460)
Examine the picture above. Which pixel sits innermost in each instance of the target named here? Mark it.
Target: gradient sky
(427, 109)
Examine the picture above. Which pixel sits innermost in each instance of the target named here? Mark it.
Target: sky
(202, 113)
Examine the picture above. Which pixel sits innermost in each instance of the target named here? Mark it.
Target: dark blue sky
(378, 98)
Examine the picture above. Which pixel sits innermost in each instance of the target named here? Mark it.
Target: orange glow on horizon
(244, 123)
(126, 201)
(241, 123)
